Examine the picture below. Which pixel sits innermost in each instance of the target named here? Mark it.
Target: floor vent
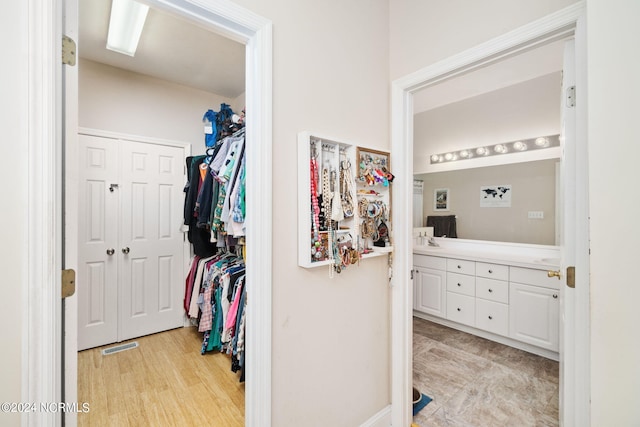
(119, 348)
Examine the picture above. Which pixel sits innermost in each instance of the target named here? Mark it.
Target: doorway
(562, 24)
(254, 32)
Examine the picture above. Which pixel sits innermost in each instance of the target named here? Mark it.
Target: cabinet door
(533, 315)
(430, 291)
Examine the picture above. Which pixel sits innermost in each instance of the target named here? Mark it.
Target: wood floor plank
(164, 381)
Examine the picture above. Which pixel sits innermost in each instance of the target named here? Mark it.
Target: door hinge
(571, 277)
(411, 274)
(571, 96)
(68, 283)
(68, 51)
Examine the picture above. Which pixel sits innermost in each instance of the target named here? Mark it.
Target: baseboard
(381, 419)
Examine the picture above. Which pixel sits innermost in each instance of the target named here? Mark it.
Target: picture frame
(369, 159)
(441, 199)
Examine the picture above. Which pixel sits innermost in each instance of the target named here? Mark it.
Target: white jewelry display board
(329, 224)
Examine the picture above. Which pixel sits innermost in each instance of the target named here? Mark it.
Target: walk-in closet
(162, 182)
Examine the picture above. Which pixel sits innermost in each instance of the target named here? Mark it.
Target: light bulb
(542, 142)
(519, 145)
(464, 154)
(434, 158)
(448, 156)
(481, 151)
(500, 148)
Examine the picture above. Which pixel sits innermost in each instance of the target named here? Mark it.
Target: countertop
(518, 260)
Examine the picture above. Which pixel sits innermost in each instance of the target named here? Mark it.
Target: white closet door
(130, 278)
(151, 242)
(97, 284)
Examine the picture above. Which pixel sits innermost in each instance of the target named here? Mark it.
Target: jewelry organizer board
(328, 152)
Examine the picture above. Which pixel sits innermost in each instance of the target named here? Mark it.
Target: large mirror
(508, 196)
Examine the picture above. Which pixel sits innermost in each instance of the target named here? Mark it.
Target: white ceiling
(508, 72)
(170, 49)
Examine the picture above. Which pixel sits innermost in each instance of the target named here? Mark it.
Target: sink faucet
(432, 242)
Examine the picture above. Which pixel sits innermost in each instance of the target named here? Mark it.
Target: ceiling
(508, 72)
(170, 48)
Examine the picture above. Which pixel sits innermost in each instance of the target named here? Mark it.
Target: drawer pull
(490, 271)
(459, 284)
(459, 309)
(459, 266)
(490, 318)
(490, 290)
(555, 295)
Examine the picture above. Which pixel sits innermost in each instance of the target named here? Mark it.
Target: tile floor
(480, 383)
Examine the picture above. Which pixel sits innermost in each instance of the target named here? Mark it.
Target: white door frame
(41, 372)
(566, 22)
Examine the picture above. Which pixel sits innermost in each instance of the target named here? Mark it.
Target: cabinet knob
(459, 284)
(459, 309)
(490, 290)
(125, 250)
(490, 317)
(459, 266)
(490, 271)
(555, 295)
(110, 251)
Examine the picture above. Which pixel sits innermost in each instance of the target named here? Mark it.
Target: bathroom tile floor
(480, 383)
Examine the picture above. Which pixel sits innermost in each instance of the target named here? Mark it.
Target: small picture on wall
(495, 196)
(441, 199)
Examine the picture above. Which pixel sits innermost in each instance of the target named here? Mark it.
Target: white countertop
(542, 261)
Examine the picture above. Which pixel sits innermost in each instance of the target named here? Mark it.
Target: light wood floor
(163, 382)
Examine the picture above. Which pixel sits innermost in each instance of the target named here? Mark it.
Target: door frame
(43, 350)
(569, 21)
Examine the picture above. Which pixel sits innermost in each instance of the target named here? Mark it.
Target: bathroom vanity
(496, 290)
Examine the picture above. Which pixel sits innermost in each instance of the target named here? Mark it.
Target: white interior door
(151, 242)
(97, 283)
(574, 322)
(131, 248)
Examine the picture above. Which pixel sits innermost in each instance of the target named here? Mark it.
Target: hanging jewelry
(346, 188)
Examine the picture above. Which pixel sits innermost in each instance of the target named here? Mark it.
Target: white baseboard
(381, 419)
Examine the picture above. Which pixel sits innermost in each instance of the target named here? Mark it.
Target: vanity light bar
(531, 144)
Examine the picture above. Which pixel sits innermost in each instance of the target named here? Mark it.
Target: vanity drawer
(530, 276)
(494, 290)
(427, 261)
(492, 271)
(461, 308)
(461, 284)
(461, 266)
(492, 316)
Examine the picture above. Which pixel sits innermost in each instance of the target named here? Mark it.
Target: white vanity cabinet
(429, 285)
(508, 303)
(534, 302)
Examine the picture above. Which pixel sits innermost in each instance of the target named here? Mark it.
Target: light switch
(536, 215)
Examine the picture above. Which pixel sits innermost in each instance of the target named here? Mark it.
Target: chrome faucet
(432, 242)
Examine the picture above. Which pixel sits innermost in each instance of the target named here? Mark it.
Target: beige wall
(330, 337)
(614, 88)
(14, 178)
(532, 187)
(424, 32)
(125, 102)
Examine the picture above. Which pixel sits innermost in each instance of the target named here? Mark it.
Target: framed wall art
(441, 199)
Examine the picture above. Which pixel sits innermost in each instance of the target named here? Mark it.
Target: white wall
(14, 178)
(522, 111)
(614, 67)
(425, 31)
(125, 102)
(330, 337)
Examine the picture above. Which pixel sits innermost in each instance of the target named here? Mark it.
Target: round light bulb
(481, 151)
(440, 159)
(519, 145)
(542, 142)
(464, 154)
(434, 158)
(448, 156)
(500, 148)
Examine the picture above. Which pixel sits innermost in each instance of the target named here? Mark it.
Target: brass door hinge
(68, 283)
(571, 277)
(68, 51)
